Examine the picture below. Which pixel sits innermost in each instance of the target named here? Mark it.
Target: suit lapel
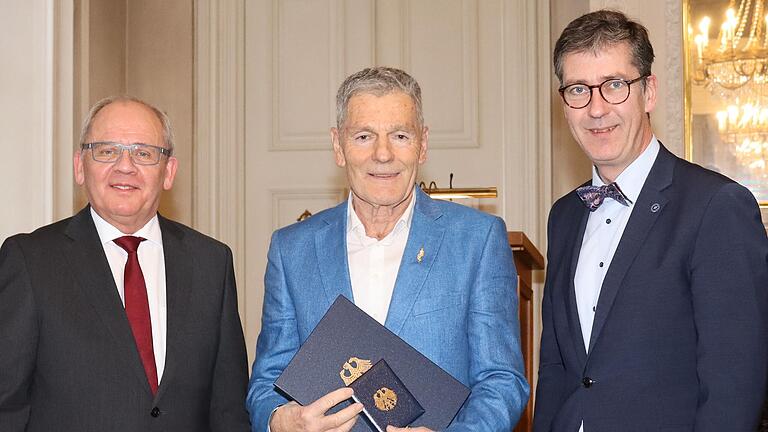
(650, 204)
(580, 213)
(427, 235)
(331, 252)
(86, 256)
(179, 282)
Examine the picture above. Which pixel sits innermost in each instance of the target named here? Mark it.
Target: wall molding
(278, 196)
(466, 134)
(316, 140)
(527, 135)
(673, 65)
(527, 196)
(62, 104)
(219, 144)
(48, 34)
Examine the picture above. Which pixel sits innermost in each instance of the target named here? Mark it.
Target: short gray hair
(378, 81)
(602, 29)
(161, 116)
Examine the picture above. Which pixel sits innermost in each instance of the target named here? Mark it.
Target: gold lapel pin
(420, 255)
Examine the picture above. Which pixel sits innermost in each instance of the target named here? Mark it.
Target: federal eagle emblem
(353, 369)
(385, 399)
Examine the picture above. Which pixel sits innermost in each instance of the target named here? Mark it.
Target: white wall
(36, 50)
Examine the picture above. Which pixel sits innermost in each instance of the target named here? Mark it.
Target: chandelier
(734, 67)
(735, 64)
(745, 129)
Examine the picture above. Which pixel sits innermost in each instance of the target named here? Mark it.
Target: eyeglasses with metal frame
(614, 91)
(141, 154)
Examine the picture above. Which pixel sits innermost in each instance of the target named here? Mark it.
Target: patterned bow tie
(593, 196)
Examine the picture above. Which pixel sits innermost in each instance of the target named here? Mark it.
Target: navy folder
(346, 343)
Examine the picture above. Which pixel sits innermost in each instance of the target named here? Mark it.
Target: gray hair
(600, 29)
(378, 81)
(161, 116)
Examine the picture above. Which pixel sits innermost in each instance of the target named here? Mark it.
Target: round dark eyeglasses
(614, 91)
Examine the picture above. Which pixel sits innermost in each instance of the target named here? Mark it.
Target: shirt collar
(633, 177)
(108, 233)
(355, 225)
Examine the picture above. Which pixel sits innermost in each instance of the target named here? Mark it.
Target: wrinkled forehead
(391, 106)
(371, 96)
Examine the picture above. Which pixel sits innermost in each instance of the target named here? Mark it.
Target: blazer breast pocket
(439, 303)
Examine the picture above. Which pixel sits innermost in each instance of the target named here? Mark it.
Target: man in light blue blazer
(437, 274)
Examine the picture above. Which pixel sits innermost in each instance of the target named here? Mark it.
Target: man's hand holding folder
(293, 417)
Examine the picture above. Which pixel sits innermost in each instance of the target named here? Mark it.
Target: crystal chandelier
(745, 129)
(735, 64)
(734, 68)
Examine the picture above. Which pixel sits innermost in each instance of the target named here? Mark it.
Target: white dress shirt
(373, 264)
(605, 227)
(152, 262)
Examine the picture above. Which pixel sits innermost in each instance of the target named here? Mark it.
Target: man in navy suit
(654, 309)
(438, 274)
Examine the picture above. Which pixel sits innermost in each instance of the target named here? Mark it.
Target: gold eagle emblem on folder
(353, 368)
(385, 399)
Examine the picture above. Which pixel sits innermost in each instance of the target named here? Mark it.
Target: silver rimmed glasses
(141, 154)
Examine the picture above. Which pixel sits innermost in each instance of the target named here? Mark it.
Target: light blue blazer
(458, 306)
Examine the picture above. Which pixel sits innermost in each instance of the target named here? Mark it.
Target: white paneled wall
(36, 84)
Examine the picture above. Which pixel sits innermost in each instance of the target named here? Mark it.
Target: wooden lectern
(527, 259)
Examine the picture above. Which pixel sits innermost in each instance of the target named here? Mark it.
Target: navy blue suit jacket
(457, 306)
(679, 336)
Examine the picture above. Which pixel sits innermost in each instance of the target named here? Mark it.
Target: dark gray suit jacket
(68, 361)
(679, 336)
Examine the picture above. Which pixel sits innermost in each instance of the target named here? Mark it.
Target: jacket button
(155, 412)
(587, 382)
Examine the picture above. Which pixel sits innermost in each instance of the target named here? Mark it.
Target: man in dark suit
(654, 309)
(118, 319)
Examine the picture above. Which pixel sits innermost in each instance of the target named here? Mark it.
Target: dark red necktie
(137, 307)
